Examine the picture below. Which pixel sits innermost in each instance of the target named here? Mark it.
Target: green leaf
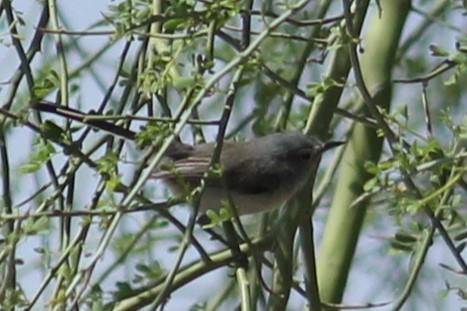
(456, 200)
(372, 168)
(216, 171)
(438, 51)
(405, 237)
(108, 164)
(153, 134)
(42, 154)
(461, 236)
(401, 246)
(124, 290)
(151, 272)
(37, 226)
(114, 182)
(29, 168)
(217, 218)
(371, 184)
(175, 23)
(52, 131)
(50, 82)
(182, 83)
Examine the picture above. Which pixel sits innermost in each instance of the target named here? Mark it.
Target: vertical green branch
(344, 224)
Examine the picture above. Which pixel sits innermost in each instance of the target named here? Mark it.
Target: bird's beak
(331, 144)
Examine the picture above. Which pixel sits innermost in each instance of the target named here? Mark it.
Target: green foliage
(151, 272)
(92, 242)
(53, 132)
(35, 227)
(316, 89)
(153, 134)
(122, 241)
(128, 14)
(107, 167)
(217, 218)
(96, 299)
(342, 39)
(433, 167)
(43, 153)
(124, 289)
(45, 86)
(13, 299)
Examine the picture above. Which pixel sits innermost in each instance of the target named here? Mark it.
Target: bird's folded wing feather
(240, 176)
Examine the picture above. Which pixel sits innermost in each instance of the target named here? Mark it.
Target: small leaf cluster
(107, 166)
(419, 175)
(128, 14)
(43, 152)
(154, 134)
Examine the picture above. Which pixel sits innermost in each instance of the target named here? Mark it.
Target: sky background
(82, 14)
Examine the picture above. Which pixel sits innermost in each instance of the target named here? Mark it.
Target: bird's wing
(248, 176)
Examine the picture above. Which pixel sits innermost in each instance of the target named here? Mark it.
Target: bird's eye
(304, 154)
